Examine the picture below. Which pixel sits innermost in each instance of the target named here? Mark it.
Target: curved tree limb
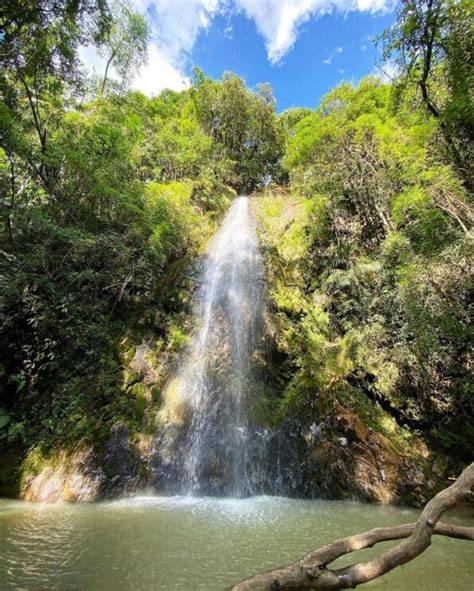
(311, 572)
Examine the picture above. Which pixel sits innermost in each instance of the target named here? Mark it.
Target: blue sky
(328, 49)
(303, 48)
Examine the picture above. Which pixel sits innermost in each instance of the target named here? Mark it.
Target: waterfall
(210, 445)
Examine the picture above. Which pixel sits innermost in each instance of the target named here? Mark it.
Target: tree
(312, 572)
(38, 63)
(243, 124)
(432, 42)
(39, 50)
(125, 45)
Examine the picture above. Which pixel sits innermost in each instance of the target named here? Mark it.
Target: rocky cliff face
(87, 475)
(338, 457)
(346, 460)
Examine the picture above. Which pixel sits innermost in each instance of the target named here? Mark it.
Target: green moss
(34, 462)
(129, 354)
(177, 338)
(140, 405)
(137, 390)
(155, 392)
(37, 460)
(130, 376)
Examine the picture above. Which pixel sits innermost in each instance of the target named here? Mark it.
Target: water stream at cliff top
(210, 446)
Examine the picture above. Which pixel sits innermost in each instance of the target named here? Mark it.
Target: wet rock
(351, 424)
(122, 463)
(89, 474)
(350, 461)
(143, 364)
(339, 458)
(69, 479)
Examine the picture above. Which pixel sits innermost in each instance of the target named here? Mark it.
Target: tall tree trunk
(106, 73)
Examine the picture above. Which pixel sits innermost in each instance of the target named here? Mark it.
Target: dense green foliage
(104, 206)
(106, 201)
(243, 124)
(372, 271)
(432, 41)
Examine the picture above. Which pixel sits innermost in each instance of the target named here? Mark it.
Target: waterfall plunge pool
(187, 543)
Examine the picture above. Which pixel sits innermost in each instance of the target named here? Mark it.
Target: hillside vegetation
(372, 265)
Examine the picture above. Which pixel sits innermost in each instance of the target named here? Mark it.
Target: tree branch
(106, 73)
(311, 572)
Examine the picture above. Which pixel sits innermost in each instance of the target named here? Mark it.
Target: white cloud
(158, 74)
(373, 5)
(92, 60)
(278, 21)
(387, 72)
(329, 59)
(176, 25)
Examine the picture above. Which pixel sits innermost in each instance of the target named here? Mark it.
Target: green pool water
(182, 543)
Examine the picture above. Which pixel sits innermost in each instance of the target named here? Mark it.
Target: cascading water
(210, 446)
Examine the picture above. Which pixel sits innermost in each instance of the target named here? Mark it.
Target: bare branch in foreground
(312, 572)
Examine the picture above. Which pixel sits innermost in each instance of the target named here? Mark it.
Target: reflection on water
(181, 543)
